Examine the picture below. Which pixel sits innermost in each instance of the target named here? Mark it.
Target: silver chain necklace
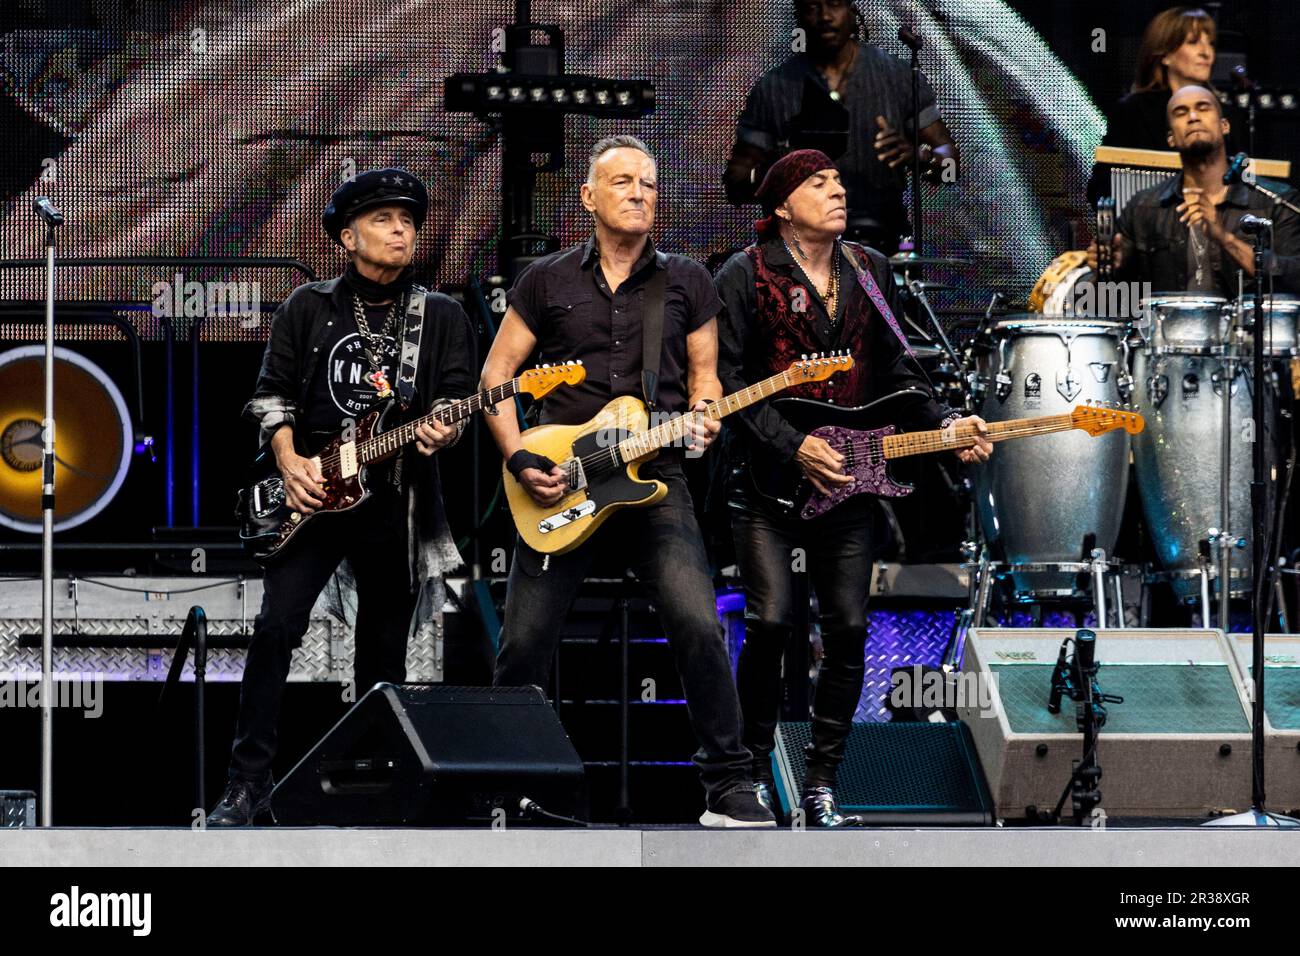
(376, 344)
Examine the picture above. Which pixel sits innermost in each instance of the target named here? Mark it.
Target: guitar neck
(951, 438)
(393, 440)
(670, 432)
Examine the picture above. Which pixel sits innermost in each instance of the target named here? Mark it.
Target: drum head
(92, 445)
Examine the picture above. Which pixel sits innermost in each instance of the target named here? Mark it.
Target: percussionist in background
(853, 101)
(1186, 234)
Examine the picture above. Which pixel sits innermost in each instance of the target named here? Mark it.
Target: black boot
(839, 686)
(242, 803)
(821, 812)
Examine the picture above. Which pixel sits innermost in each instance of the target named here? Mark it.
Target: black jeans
(662, 544)
(835, 550)
(373, 539)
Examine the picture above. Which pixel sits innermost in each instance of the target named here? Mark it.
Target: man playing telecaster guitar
(333, 353)
(801, 290)
(594, 303)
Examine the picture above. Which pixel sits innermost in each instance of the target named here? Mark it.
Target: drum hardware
(1124, 380)
(1096, 568)
(1067, 385)
(1158, 388)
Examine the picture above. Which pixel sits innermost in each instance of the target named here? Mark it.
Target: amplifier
(428, 754)
(1281, 715)
(1179, 744)
(895, 774)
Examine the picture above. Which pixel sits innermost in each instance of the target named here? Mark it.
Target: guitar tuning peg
(804, 358)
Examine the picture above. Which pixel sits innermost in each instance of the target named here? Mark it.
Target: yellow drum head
(93, 438)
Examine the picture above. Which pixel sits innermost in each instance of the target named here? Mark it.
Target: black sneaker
(739, 809)
(242, 803)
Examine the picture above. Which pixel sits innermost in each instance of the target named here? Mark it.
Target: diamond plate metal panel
(899, 639)
(150, 607)
(326, 654)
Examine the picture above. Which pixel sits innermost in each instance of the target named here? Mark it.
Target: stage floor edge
(611, 846)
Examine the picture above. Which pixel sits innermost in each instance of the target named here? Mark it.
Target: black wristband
(524, 458)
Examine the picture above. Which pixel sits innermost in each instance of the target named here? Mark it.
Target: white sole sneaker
(720, 821)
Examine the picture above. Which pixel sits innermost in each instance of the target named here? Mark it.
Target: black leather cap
(375, 187)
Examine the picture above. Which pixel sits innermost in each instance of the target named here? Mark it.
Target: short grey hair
(611, 143)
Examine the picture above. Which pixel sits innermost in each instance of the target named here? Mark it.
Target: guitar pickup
(347, 459)
(567, 516)
(574, 475)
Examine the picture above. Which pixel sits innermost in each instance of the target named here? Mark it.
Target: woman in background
(1177, 50)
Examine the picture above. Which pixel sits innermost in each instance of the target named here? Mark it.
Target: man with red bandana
(800, 290)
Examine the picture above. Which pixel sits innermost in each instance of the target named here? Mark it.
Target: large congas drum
(1179, 377)
(92, 443)
(1038, 499)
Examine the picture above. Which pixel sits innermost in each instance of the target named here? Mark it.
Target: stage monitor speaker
(430, 755)
(895, 774)
(1178, 746)
(1281, 715)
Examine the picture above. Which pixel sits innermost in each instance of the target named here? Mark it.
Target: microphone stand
(912, 41)
(1257, 816)
(52, 220)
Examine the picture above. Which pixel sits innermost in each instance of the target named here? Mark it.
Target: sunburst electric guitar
(268, 524)
(601, 458)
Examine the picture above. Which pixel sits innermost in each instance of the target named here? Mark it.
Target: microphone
(1233, 175)
(1085, 651)
(1254, 225)
(909, 38)
(1059, 673)
(45, 209)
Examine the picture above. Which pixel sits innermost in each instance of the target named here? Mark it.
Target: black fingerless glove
(524, 458)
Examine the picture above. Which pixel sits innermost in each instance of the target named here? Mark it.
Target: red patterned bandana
(786, 175)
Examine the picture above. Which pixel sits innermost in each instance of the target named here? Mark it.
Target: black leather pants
(835, 551)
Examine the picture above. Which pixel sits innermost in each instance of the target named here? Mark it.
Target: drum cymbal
(907, 260)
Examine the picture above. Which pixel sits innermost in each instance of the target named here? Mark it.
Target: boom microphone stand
(1257, 816)
(52, 219)
(912, 41)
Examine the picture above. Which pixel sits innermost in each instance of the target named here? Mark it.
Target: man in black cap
(333, 353)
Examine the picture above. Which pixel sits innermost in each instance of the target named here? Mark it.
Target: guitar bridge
(567, 516)
(268, 497)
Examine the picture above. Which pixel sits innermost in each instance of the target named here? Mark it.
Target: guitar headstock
(541, 381)
(1097, 418)
(819, 367)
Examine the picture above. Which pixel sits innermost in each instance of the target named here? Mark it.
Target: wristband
(524, 458)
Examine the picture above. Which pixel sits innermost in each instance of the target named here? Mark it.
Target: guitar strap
(652, 332)
(872, 289)
(412, 332)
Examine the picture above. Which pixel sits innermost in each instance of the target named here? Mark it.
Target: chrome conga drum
(1039, 499)
(1179, 378)
(1184, 323)
(1281, 328)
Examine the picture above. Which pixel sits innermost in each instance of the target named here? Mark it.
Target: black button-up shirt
(1158, 242)
(566, 302)
(879, 84)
